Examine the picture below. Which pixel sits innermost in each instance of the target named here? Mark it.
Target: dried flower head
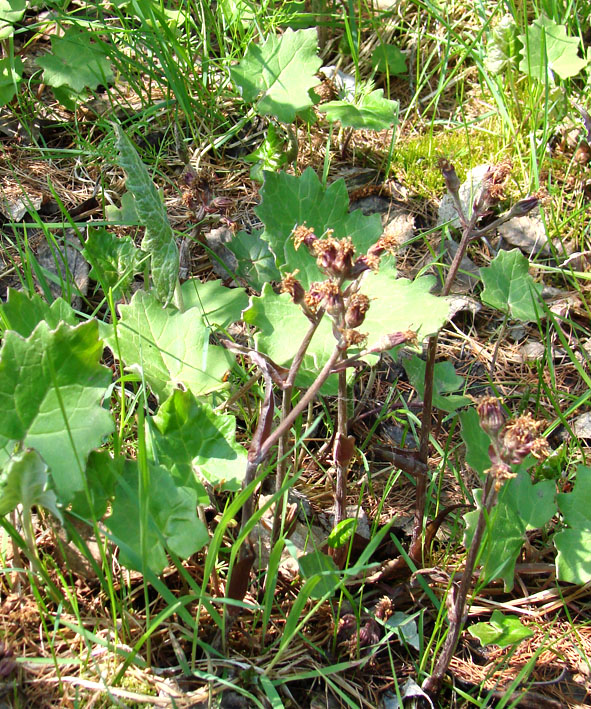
(289, 284)
(347, 627)
(384, 608)
(303, 234)
(501, 472)
(371, 260)
(326, 251)
(335, 256)
(345, 257)
(325, 294)
(520, 437)
(497, 178)
(353, 338)
(365, 262)
(492, 187)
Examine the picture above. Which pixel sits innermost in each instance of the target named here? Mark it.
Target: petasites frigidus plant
(337, 297)
(511, 442)
(490, 192)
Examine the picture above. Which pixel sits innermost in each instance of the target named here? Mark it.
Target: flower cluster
(347, 308)
(511, 441)
(354, 637)
(491, 190)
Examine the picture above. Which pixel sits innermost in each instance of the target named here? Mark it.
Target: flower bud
(490, 413)
(358, 306)
(344, 450)
(483, 199)
(393, 339)
(452, 181)
(369, 634)
(521, 208)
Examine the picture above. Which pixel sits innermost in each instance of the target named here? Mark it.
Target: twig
(457, 604)
(344, 447)
(285, 410)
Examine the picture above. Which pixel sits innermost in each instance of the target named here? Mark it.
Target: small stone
(532, 351)
(528, 234)
(517, 333)
(581, 426)
(462, 303)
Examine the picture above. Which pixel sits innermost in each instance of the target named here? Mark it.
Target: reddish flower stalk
(511, 443)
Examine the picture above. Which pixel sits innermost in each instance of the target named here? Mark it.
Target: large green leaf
(318, 564)
(171, 518)
(189, 438)
(445, 381)
(256, 263)
(503, 630)
(22, 313)
(24, 481)
(158, 240)
(389, 58)
(289, 201)
(126, 214)
(476, 440)
(522, 506)
(279, 73)
(502, 47)
(11, 74)
(171, 348)
(573, 562)
(399, 304)
(548, 50)
(218, 306)
(11, 11)
(51, 387)
(371, 111)
(7, 449)
(102, 473)
(114, 260)
(509, 287)
(76, 61)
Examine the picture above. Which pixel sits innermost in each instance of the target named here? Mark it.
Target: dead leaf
(528, 234)
(63, 259)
